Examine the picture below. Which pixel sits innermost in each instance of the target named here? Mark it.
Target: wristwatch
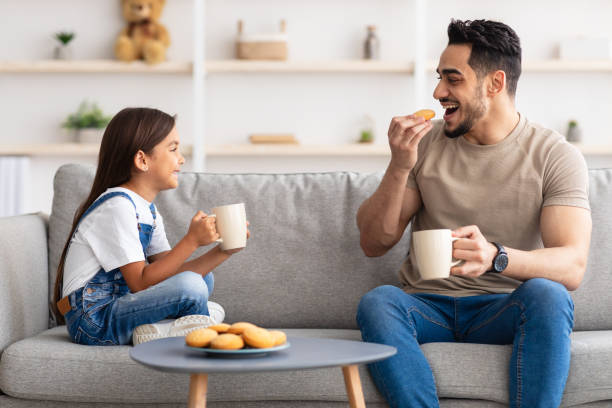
(501, 259)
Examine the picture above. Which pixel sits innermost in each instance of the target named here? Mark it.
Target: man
(514, 193)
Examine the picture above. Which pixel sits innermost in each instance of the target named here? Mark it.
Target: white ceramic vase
(63, 52)
(574, 134)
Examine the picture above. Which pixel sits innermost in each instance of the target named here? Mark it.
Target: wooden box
(262, 46)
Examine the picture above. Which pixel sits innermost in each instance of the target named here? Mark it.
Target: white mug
(434, 253)
(231, 225)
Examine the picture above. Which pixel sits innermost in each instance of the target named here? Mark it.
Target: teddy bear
(143, 37)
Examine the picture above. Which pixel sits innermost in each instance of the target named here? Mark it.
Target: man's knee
(545, 291)
(546, 299)
(378, 303)
(377, 298)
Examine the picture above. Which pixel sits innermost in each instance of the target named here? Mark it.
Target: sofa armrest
(24, 294)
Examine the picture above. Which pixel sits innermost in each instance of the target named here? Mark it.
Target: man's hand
(474, 249)
(405, 133)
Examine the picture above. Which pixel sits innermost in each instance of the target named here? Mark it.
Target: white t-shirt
(108, 238)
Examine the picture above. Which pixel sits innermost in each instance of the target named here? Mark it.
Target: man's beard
(472, 113)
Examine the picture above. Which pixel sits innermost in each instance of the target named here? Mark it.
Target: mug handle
(220, 240)
(458, 261)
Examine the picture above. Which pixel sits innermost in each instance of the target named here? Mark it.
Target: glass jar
(371, 45)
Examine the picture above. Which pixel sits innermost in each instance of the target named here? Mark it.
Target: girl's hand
(203, 229)
(233, 251)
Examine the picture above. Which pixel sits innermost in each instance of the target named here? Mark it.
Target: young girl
(117, 274)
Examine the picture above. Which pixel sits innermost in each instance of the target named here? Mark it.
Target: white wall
(318, 108)
(548, 98)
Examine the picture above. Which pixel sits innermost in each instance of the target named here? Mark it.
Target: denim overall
(89, 324)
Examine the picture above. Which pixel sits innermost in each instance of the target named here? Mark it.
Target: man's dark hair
(495, 46)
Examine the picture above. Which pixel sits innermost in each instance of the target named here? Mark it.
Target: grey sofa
(303, 271)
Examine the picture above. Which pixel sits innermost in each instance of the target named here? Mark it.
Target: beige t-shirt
(501, 188)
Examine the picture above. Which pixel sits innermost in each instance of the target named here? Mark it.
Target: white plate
(245, 352)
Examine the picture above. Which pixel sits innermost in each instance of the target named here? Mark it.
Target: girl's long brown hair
(130, 130)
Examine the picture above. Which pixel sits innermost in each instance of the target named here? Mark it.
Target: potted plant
(367, 136)
(574, 133)
(63, 50)
(87, 123)
(366, 132)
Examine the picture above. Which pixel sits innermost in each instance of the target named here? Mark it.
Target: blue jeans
(537, 319)
(102, 324)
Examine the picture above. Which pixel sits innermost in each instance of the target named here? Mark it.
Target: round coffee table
(172, 355)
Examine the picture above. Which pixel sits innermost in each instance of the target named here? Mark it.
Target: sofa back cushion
(593, 299)
(303, 266)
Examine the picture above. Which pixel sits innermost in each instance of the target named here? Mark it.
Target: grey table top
(172, 355)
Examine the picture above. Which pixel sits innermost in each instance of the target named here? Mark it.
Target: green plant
(87, 116)
(64, 37)
(367, 136)
(572, 123)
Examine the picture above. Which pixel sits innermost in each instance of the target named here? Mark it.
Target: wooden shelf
(49, 149)
(298, 150)
(242, 150)
(93, 67)
(214, 66)
(590, 150)
(78, 149)
(556, 66)
(339, 66)
(568, 66)
(244, 66)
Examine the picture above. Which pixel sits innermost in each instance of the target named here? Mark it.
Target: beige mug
(231, 225)
(433, 250)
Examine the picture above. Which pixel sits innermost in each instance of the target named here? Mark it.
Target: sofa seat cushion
(49, 367)
(465, 370)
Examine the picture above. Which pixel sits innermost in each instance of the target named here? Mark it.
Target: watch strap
(500, 249)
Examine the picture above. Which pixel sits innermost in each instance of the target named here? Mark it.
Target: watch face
(501, 262)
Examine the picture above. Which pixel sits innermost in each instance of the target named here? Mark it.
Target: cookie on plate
(200, 337)
(239, 327)
(279, 337)
(258, 337)
(227, 341)
(220, 328)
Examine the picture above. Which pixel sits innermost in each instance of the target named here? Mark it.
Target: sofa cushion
(465, 370)
(48, 366)
(303, 266)
(592, 299)
(10, 402)
(304, 239)
(23, 277)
